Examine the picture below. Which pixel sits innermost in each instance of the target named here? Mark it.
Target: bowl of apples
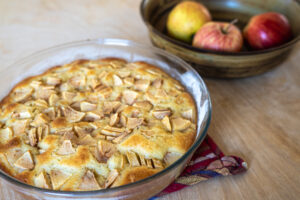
(225, 38)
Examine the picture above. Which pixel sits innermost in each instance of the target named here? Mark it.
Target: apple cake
(94, 124)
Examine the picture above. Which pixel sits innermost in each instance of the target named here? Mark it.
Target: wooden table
(256, 118)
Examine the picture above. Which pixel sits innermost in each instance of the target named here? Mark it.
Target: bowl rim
(189, 47)
(121, 42)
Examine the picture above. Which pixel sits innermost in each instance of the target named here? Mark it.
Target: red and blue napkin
(207, 162)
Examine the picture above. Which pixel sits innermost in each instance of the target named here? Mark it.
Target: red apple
(219, 36)
(267, 30)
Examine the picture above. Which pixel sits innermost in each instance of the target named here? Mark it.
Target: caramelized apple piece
(83, 131)
(149, 163)
(6, 134)
(41, 103)
(42, 181)
(62, 131)
(146, 105)
(68, 96)
(93, 82)
(121, 108)
(109, 138)
(119, 138)
(32, 137)
(180, 124)
(143, 160)
(112, 131)
(188, 114)
(53, 99)
(42, 132)
(102, 74)
(112, 176)
(117, 161)
(132, 159)
(25, 161)
(22, 94)
(124, 73)
(12, 155)
(66, 148)
(75, 105)
(166, 123)
(111, 106)
(88, 140)
(44, 92)
(51, 80)
(142, 84)
(68, 136)
(35, 84)
(161, 93)
(20, 126)
(129, 81)
(104, 91)
(65, 87)
(117, 80)
(89, 182)
(161, 113)
(22, 112)
(78, 81)
(157, 83)
(106, 149)
(58, 178)
(157, 163)
(72, 115)
(39, 120)
(91, 117)
(50, 112)
(129, 96)
(94, 151)
(86, 106)
(114, 119)
(134, 122)
(123, 120)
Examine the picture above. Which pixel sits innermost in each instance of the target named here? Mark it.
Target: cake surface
(94, 124)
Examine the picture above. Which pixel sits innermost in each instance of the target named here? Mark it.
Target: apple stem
(225, 31)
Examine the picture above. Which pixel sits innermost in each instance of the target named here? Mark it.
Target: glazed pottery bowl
(221, 64)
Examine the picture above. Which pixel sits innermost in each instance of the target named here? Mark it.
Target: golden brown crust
(15, 142)
(4, 165)
(130, 175)
(112, 59)
(93, 124)
(25, 177)
(59, 122)
(82, 157)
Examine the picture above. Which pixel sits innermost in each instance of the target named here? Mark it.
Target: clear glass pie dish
(130, 51)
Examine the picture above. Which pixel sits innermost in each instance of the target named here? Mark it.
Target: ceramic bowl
(221, 64)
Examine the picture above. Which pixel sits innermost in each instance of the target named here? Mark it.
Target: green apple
(185, 19)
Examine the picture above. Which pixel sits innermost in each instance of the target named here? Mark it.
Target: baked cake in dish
(94, 124)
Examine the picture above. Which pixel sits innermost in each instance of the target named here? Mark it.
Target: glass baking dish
(130, 51)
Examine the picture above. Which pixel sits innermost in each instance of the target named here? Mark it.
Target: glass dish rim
(121, 42)
(178, 43)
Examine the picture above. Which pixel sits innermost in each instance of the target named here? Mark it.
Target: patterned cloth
(207, 162)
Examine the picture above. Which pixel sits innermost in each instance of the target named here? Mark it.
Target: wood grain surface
(256, 118)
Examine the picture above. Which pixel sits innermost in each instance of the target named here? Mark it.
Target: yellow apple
(185, 19)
